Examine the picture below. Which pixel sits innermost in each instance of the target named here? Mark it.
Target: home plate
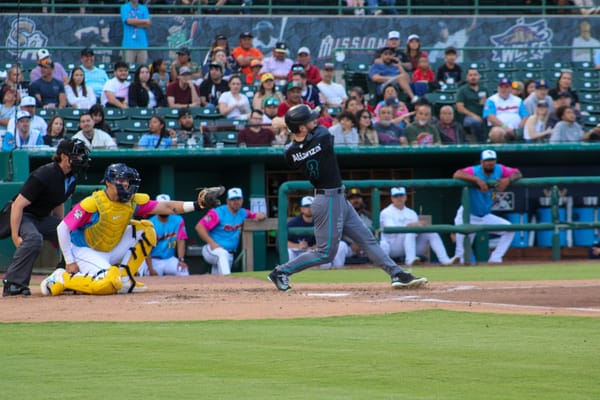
(335, 294)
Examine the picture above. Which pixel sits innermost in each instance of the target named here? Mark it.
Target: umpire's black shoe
(13, 289)
(407, 280)
(281, 280)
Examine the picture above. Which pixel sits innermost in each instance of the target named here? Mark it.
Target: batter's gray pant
(333, 217)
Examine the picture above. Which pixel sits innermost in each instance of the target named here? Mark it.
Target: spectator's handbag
(5, 220)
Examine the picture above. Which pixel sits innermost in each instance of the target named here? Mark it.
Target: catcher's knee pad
(110, 283)
(143, 246)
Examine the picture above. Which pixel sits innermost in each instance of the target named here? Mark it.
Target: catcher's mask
(117, 174)
(78, 153)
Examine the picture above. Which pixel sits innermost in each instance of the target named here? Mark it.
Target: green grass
(531, 272)
(415, 355)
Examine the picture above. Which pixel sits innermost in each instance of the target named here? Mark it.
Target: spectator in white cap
(23, 137)
(168, 256)
(393, 43)
(301, 243)
(408, 245)
(221, 228)
(485, 180)
(37, 124)
(332, 94)
(313, 75)
(413, 50)
(43, 59)
(48, 91)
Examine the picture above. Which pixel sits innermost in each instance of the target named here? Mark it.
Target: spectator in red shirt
(313, 75)
(245, 53)
(255, 134)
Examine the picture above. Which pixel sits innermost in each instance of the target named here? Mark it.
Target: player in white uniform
(408, 244)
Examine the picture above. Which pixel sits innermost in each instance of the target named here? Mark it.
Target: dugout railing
(556, 226)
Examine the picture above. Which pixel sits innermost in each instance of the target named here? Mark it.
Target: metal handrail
(556, 225)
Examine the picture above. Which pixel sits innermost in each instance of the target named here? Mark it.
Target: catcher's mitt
(209, 197)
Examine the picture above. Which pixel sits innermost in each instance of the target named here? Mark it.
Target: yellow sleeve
(89, 204)
(141, 198)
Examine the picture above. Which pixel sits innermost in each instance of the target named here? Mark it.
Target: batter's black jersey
(315, 158)
(46, 188)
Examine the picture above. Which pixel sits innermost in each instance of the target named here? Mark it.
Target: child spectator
(450, 72)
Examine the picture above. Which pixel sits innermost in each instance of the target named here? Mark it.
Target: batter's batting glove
(209, 197)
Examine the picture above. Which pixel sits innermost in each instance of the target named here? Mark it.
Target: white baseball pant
(503, 244)
(167, 266)
(411, 244)
(91, 261)
(219, 259)
(340, 256)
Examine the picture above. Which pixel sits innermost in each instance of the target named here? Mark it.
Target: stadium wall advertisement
(506, 39)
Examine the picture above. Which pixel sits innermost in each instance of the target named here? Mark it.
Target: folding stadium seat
(588, 86)
(593, 109)
(480, 66)
(113, 113)
(589, 98)
(127, 139)
(139, 113)
(167, 112)
(46, 114)
(134, 125)
(591, 121)
(71, 127)
(228, 138)
(531, 70)
(357, 74)
(584, 66)
(70, 113)
(208, 113)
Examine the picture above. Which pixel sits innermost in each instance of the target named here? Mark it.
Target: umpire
(38, 208)
(312, 152)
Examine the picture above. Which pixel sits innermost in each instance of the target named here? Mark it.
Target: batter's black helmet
(300, 115)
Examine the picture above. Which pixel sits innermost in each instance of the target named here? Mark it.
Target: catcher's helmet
(300, 115)
(77, 152)
(116, 174)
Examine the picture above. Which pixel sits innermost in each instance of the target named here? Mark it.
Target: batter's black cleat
(281, 280)
(407, 280)
(14, 289)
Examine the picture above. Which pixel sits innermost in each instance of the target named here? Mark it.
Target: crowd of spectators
(236, 83)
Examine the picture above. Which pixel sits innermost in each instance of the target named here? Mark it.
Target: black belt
(329, 191)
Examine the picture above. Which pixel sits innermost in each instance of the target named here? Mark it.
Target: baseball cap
(234, 193)
(562, 93)
(329, 66)
(393, 35)
(246, 34)
(541, 84)
(163, 197)
(271, 101)
(413, 37)
(185, 71)
(280, 47)
(217, 64)
(87, 52)
(220, 36)
(255, 63)
(387, 48)
(23, 114)
(354, 192)
(542, 103)
(303, 50)
(183, 112)
(488, 155)
(43, 53)
(184, 51)
(306, 201)
(297, 67)
(266, 76)
(504, 82)
(398, 191)
(392, 101)
(294, 85)
(28, 101)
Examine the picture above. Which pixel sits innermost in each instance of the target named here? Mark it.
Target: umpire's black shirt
(315, 158)
(46, 188)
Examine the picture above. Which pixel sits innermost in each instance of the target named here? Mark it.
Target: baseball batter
(312, 152)
(481, 200)
(102, 245)
(408, 244)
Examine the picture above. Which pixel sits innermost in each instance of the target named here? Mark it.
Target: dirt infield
(206, 297)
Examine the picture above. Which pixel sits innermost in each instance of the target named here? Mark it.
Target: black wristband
(197, 206)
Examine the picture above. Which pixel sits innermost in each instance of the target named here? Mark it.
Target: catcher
(103, 247)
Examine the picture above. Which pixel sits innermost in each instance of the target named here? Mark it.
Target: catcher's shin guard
(140, 250)
(110, 283)
(142, 247)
